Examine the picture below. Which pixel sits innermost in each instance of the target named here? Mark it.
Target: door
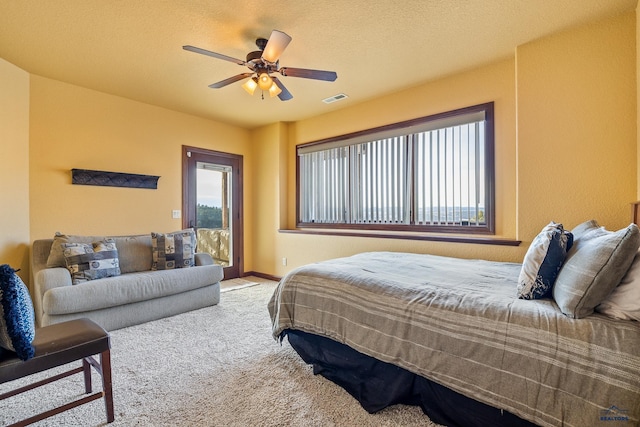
(212, 205)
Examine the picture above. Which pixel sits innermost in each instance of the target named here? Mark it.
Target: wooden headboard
(635, 212)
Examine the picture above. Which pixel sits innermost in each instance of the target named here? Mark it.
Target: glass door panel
(213, 218)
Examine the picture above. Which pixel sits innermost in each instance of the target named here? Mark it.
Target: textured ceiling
(133, 48)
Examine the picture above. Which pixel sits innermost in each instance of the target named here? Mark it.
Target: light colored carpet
(235, 284)
(217, 366)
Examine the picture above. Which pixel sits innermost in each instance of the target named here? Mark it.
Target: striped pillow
(595, 265)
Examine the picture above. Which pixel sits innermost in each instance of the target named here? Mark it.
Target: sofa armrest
(203, 258)
(49, 278)
(44, 280)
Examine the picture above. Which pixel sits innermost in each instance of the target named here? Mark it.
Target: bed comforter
(458, 322)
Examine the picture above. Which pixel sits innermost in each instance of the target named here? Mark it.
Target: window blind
(433, 173)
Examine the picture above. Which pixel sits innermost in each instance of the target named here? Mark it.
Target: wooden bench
(56, 345)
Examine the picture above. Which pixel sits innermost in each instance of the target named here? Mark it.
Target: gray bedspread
(458, 322)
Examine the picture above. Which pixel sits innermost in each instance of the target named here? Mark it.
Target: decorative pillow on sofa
(624, 301)
(543, 261)
(56, 255)
(17, 318)
(89, 261)
(173, 250)
(594, 266)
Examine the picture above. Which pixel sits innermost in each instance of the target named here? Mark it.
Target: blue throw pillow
(543, 262)
(17, 318)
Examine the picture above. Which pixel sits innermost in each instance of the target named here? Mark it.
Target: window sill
(408, 236)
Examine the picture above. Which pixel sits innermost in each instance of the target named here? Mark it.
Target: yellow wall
(14, 173)
(265, 218)
(73, 127)
(565, 142)
(577, 126)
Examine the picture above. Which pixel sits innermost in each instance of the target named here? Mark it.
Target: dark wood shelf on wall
(113, 179)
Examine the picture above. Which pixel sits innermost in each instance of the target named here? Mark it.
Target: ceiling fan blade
(214, 54)
(277, 43)
(230, 80)
(328, 76)
(285, 95)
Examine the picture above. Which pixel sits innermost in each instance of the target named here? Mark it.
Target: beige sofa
(137, 295)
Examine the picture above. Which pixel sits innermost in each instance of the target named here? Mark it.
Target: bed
(450, 335)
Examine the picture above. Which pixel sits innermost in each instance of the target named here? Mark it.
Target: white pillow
(624, 301)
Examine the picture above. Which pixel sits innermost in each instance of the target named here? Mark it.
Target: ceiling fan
(263, 63)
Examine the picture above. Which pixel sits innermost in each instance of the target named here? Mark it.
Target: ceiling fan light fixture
(274, 90)
(265, 81)
(250, 85)
(278, 41)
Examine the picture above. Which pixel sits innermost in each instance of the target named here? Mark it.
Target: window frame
(406, 128)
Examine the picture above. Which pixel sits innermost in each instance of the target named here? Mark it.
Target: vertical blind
(430, 174)
(449, 179)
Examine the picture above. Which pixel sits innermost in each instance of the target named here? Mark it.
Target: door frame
(192, 155)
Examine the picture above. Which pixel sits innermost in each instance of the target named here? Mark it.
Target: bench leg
(105, 363)
(86, 368)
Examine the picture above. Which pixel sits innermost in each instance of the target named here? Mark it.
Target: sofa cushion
(90, 261)
(128, 288)
(17, 318)
(173, 250)
(134, 253)
(594, 266)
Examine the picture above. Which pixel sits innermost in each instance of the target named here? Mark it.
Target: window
(429, 174)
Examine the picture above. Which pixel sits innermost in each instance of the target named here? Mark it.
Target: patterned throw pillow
(173, 250)
(543, 262)
(91, 261)
(17, 318)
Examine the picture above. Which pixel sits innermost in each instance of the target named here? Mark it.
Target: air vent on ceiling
(334, 98)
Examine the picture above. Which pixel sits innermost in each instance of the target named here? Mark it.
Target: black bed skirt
(376, 385)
